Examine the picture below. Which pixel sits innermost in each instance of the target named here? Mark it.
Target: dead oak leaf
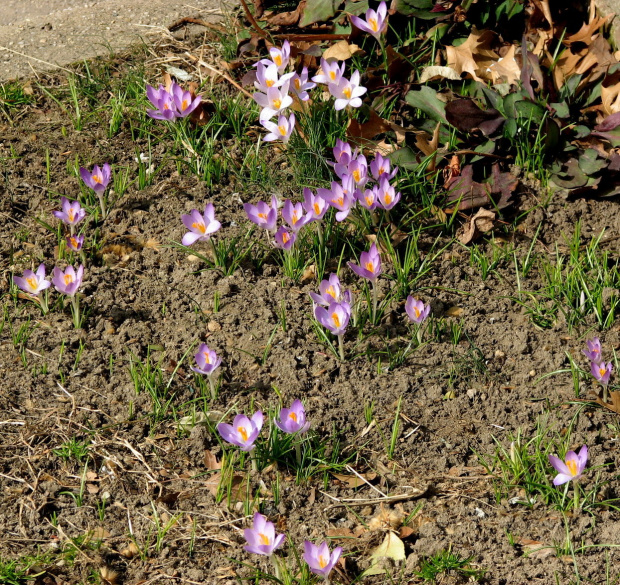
(342, 51)
(481, 223)
(506, 69)
(586, 33)
(474, 56)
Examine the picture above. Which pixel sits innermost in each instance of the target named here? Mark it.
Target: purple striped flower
(370, 264)
(32, 282)
(262, 214)
(416, 310)
(284, 239)
(262, 538)
(69, 281)
(74, 243)
(315, 206)
(200, 226)
(207, 361)
(335, 317)
(72, 212)
(293, 214)
(293, 419)
(571, 469)
(162, 100)
(319, 559)
(593, 350)
(601, 372)
(375, 23)
(243, 431)
(183, 102)
(97, 179)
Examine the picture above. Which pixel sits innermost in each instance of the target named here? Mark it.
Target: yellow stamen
(201, 227)
(417, 312)
(347, 92)
(373, 24)
(282, 130)
(207, 358)
(297, 84)
(339, 201)
(184, 104)
(68, 279)
(572, 467)
(293, 416)
(357, 175)
(370, 266)
(263, 216)
(166, 107)
(269, 82)
(317, 208)
(32, 282)
(278, 60)
(332, 75)
(381, 171)
(602, 371)
(388, 199)
(97, 179)
(322, 562)
(369, 200)
(264, 539)
(295, 217)
(243, 433)
(74, 243)
(71, 214)
(331, 292)
(336, 319)
(285, 238)
(277, 104)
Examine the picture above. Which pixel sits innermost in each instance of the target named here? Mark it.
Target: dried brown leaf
(342, 51)
(479, 224)
(211, 461)
(354, 481)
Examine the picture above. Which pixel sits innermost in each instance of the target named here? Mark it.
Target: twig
(71, 397)
(349, 468)
(345, 502)
(253, 22)
(229, 79)
(199, 21)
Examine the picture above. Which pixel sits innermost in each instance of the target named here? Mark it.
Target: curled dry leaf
(479, 224)
(342, 51)
(391, 548)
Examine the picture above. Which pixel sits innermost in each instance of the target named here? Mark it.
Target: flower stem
(576, 497)
(604, 392)
(375, 299)
(102, 205)
(43, 302)
(319, 232)
(298, 452)
(212, 388)
(276, 566)
(75, 310)
(341, 346)
(254, 462)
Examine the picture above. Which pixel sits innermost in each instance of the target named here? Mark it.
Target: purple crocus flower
(571, 468)
(243, 431)
(262, 538)
(338, 197)
(293, 419)
(72, 212)
(284, 239)
(293, 214)
(370, 264)
(273, 102)
(69, 281)
(267, 76)
(32, 282)
(601, 372)
(262, 214)
(386, 194)
(347, 92)
(162, 100)
(200, 226)
(74, 243)
(280, 131)
(593, 351)
(380, 167)
(330, 292)
(319, 559)
(301, 85)
(375, 23)
(416, 310)
(98, 179)
(183, 101)
(207, 360)
(335, 317)
(331, 72)
(342, 152)
(368, 199)
(279, 56)
(315, 206)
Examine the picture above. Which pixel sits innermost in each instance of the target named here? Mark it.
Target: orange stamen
(243, 433)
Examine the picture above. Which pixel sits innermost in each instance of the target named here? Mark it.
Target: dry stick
(41, 61)
(343, 503)
(349, 468)
(183, 21)
(253, 22)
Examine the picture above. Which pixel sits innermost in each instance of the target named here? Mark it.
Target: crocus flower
(571, 468)
(342, 152)
(335, 317)
(375, 23)
(200, 226)
(293, 214)
(593, 351)
(601, 372)
(416, 310)
(280, 131)
(356, 168)
(262, 538)
(330, 291)
(183, 101)
(280, 57)
(380, 167)
(243, 431)
(98, 179)
(274, 101)
(207, 361)
(163, 102)
(368, 199)
(262, 214)
(75, 243)
(267, 76)
(331, 72)
(315, 206)
(293, 419)
(319, 559)
(347, 92)
(32, 282)
(284, 239)
(72, 212)
(69, 281)
(301, 85)
(386, 194)
(339, 198)
(370, 264)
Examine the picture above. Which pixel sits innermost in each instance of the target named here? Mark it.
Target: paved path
(41, 34)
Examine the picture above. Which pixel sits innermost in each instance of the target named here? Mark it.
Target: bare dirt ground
(41, 36)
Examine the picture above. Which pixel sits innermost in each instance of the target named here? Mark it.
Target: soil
(145, 298)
